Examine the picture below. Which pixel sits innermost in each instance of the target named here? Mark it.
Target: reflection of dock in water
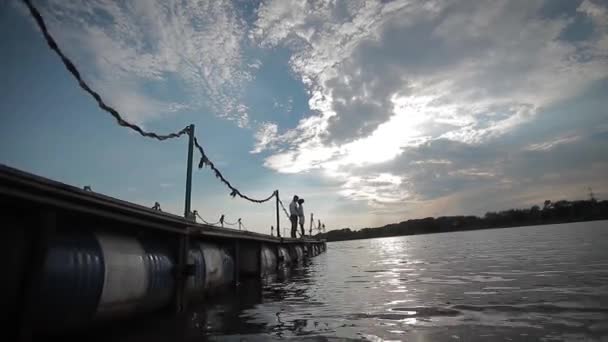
(75, 258)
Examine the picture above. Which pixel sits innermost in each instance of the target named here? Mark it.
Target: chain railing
(284, 210)
(71, 67)
(204, 159)
(203, 220)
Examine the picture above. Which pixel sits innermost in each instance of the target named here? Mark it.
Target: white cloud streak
(187, 48)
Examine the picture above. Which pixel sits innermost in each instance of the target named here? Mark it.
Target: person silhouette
(301, 215)
(293, 215)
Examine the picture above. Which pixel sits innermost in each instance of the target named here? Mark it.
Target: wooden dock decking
(17, 185)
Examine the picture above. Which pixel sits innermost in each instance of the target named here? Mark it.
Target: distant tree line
(550, 213)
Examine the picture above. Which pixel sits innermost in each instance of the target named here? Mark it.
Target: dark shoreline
(551, 213)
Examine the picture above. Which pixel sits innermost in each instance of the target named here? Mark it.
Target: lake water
(547, 283)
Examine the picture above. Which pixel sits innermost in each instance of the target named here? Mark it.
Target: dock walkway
(75, 256)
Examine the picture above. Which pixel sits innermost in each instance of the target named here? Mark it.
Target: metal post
(278, 221)
(311, 221)
(182, 248)
(189, 171)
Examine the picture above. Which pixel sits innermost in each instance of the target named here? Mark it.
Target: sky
(374, 112)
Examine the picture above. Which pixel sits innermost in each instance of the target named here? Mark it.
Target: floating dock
(74, 257)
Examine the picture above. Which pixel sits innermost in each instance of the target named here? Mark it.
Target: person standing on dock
(293, 215)
(192, 216)
(301, 215)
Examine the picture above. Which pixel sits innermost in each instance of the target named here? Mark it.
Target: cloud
(595, 11)
(135, 104)
(185, 50)
(266, 137)
(547, 145)
(444, 167)
(389, 78)
(380, 188)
